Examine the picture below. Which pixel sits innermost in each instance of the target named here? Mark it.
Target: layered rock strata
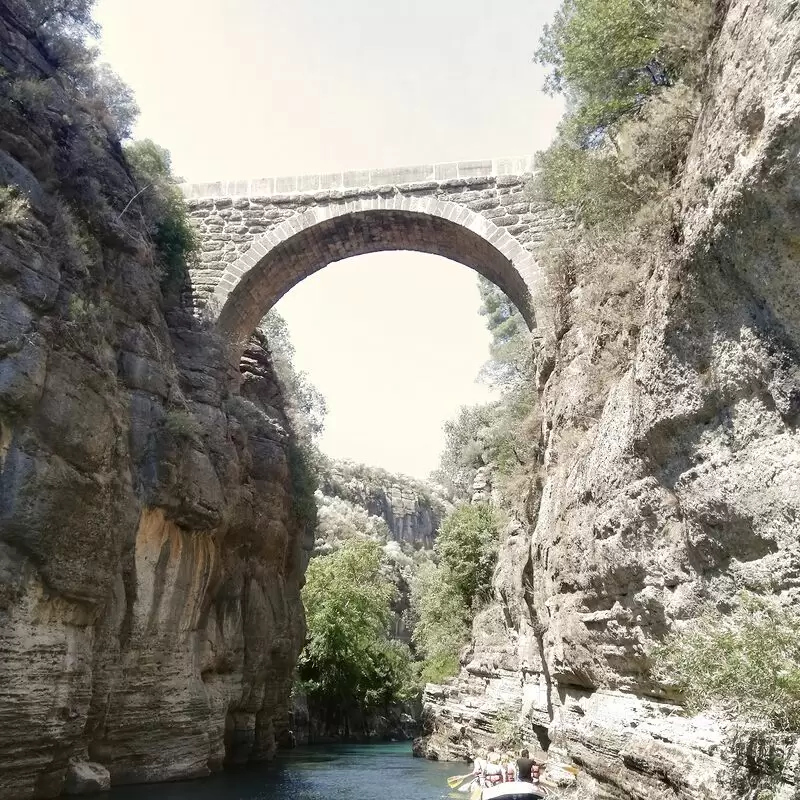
(412, 510)
(150, 560)
(684, 487)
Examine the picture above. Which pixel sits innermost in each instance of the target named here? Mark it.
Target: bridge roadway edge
(293, 185)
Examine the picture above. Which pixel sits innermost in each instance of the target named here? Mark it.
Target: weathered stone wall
(683, 490)
(255, 248)
(150, 562)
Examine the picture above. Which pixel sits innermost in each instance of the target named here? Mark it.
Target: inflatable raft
(512, 790)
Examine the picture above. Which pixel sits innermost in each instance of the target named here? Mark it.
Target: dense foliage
(612, 59)
(349, 661)
(445, 595)
(467, 551)
(304, 402)
(441, 623)
(606, 55)
(509, 350)
(339, 520)
(503, 434)
(746, 663)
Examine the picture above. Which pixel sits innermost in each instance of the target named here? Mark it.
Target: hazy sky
(250, 88)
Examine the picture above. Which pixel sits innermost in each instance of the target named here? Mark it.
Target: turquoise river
(335, 772)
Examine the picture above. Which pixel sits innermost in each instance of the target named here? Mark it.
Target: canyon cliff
(411, 509)
(151, 557)
(684, 488)
(153, 534)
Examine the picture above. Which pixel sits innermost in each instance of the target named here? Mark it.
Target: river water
(334, 772)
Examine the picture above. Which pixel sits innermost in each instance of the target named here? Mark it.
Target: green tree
(73, 17)
(349, 661)
(510, 348)
(105, 86)
(746, 663)
(611, 58)
(606, 56)
(467, 549)
(63, 27)
(441, 623)
(462, 454)
(305, 403)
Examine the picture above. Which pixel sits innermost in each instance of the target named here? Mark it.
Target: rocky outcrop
(684, 489)
(411, 509)
(150, 558)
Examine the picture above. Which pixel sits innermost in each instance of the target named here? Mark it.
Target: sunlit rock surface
(686, 489)
(150, 561)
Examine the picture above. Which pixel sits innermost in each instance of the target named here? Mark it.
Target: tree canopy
(467, 549)
(610, 59)
(349, 662)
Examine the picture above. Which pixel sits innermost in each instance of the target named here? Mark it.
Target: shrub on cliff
(163, 208)
(63, 27)
(305, 404)
(606, 54)
(746, 663)
(462, 453)
(114, 99)
(611, 59)
(503, 434)
(509, 349)
(349, 662)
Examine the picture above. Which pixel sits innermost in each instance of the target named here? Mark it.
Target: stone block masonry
(259, 238)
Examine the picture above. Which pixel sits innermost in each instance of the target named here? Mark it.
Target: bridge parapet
(361, 179)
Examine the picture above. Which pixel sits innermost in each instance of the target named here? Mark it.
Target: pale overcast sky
(251, 88)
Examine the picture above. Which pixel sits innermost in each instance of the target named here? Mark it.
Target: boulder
(85, 777)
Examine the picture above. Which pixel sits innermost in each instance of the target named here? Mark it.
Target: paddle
(457, 780)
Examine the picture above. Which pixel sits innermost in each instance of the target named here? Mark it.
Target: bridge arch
(309, 241)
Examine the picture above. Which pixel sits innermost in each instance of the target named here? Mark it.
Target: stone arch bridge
(260, 238)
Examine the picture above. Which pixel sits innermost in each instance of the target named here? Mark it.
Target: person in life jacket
(509, 767)
(479, 766)
(493, 770)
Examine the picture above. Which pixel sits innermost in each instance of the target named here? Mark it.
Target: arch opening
(311, 241)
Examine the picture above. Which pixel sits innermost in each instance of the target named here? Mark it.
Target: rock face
(411, 509)
(684, 489)
(309, 726)
(86, 777)
(150, 559)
